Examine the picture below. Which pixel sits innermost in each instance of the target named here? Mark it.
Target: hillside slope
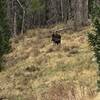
(36, 69)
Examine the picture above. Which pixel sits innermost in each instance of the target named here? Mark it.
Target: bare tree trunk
(22, 29)
(15, 24)
(78, 14)
(85, 12)
(62, 13)
(10, 15)
(23, 23)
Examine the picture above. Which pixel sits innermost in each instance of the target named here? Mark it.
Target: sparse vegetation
(53, 75)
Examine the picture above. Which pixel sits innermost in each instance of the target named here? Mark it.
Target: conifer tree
(94, 39)
(4, 31)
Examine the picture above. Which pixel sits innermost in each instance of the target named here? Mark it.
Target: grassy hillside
(36, 69)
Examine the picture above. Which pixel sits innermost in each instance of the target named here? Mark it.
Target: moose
(56, 38)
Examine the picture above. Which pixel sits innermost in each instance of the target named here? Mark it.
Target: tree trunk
(15, 24)
(23, 22)
(85, 13)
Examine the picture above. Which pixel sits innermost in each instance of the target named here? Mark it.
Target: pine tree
(4, 31)
(94, 39)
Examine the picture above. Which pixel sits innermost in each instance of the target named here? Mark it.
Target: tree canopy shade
(37, 5)
(4, 30)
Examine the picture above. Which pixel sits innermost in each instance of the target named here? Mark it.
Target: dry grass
(38, 70)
